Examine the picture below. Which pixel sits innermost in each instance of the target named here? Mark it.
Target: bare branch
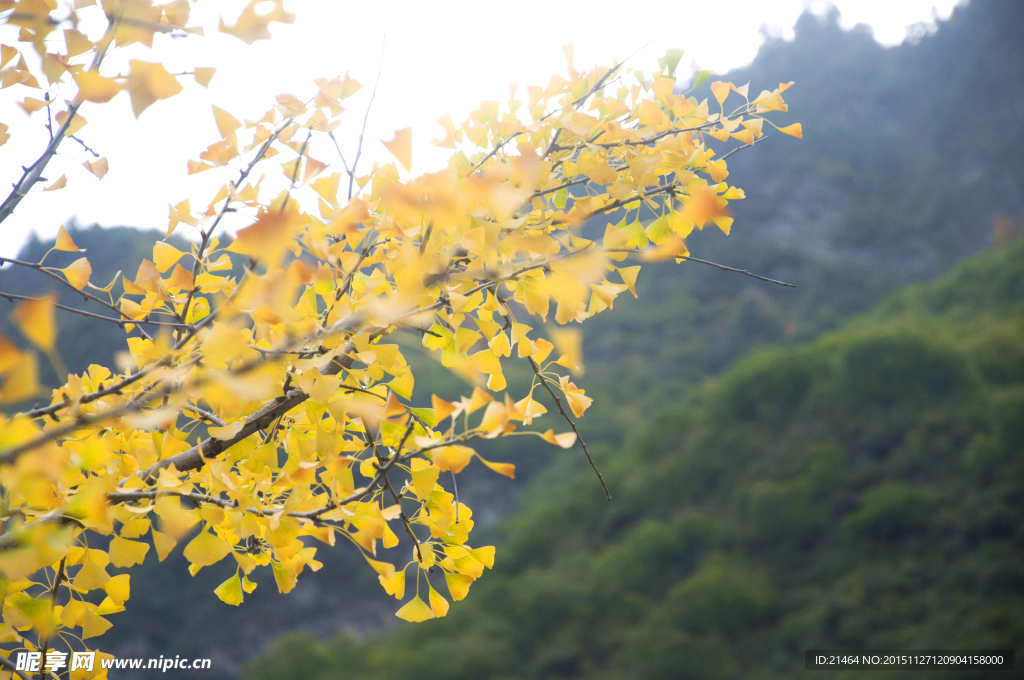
(87, 296)
(366, 117)
(11, 297)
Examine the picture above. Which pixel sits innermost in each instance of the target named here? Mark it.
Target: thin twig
(59, 578)
(33, 174)
(745, 146)
(49, 116)
(11, 667)
(11, 297)
(558, 402)
(86, 147)
(366, 117)
(205, 415)
(295, 172)
(739, 271)
(207, 233)
(87, 296)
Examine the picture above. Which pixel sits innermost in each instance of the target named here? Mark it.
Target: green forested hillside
(865, 490)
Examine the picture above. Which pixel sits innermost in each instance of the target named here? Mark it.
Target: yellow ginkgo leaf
(203, 75)
(438, 605)
(416, 610)
(458, 585)
(484, 556)
(90, 577)
(78, 272)
(65, 242)
(163, 543)
(794, 130)
(393, 584)
(230, 591)
(401, 147)
(76, 124)
(165, 255)
(720, 90)
(61, 182)
(424, 476)
(252, 24)
(226, 123)
(35, 320)
(198, 310)
(92, 87)
(94, 625)
(149, 82)
(125, 553)
(206, 549)
(76, 42)
(119, 587)
(702, 205)
(98, 167)
(267, 237)
(564, 440)
(507, 469)
(454, 458)
(442, 408)
(22, 379)
(569, 343)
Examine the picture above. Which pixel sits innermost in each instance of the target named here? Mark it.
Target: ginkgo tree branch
(10, 665)
(117, 387)
(378, 483)
(745, 146)
(295, 171)
(57, 581)
(558, 402)
(366, 118)
(641, 251)
(11, 297)
(33, 174)
(86, 296)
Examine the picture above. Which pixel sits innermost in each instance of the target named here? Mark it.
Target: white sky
(439, 57)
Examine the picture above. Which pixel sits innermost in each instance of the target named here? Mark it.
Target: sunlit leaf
(415, 610)
(35, 320)
(401, 147)
(78, 273)
(230, 592)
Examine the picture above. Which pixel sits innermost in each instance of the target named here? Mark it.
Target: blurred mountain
(909, 153)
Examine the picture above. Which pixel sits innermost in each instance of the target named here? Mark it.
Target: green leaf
(670, 61)
(699, 77)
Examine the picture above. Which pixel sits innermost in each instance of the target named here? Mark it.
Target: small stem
(53, 603)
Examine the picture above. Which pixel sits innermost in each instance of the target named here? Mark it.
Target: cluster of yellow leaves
(272, 405)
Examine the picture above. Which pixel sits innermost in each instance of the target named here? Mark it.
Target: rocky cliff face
(909, 154)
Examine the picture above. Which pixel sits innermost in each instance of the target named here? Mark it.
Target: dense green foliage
(865, 490)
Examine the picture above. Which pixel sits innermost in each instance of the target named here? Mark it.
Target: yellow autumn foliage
(266, 406)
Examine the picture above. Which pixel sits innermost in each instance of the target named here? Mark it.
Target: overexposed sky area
(437, 58)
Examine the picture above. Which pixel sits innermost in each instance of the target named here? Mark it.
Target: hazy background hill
(910, 158)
